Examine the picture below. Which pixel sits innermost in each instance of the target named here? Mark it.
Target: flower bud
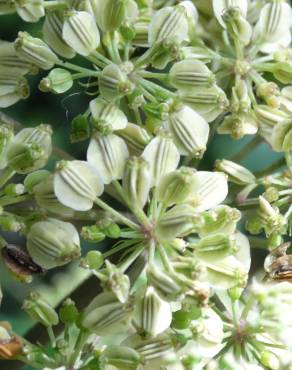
(175, 187)
(45, 197)
(12, 89)
(106, 315)
(179, 221)
(10, 62)
(136, 181)
(6, 137)
(221, 219)
(209, 103)
(92, 234)
(108, 154)
(109, 228)
(114, 81)
(107, 115)
(141, 27)
(216, 245)
(191, 139)
(212, 189)
(40, 310)
(236, 173)
(167, 287)
(162, 156)
(116, 282)
(68, 312)
(7, 7)
(195, 52)
(283, 72)
(30, 149)
(80, 32)
(77, 184)
(237, 26)
(35, 51)
(270, 218)
(282, 136)
(152, 314)
(270, 360)
(136, 138)
(58, 81)
(80, 129)
(121, 357)
(221, 6)
(53, 243)
(30, 11)
(93, 260)
(169, 25)
(190, 74)
(13, 190)
(9, 222)
(270, 93)
(34, 178)
(52, 31)
(273, 25)
(160, 348)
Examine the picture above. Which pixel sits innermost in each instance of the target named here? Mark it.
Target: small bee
(278, 264)
(19, 262)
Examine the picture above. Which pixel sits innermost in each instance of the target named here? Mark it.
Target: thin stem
(119, 216)
(119, 248)
(154, 75)
(247, 149)
(80, 342)
(6, 176)
(51, 335)
(6, 201)
(130, 260)
(74, 67)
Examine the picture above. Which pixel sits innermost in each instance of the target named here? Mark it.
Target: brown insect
(278, 264)
(19, 262)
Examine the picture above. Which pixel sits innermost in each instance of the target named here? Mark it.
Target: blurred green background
(59, 111)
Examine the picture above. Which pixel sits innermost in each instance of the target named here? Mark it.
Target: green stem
(247, 149)
(74, 67)
(80, 342)
(154, 75)
(130, 260)
(6, 176)
(85, 74)
(6, 201)
(51, 335)
(55, 4)
(119, 248)
(117, 215)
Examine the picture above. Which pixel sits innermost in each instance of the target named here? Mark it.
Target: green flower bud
(121, 357)
(30, 10)
(191, 139)
(136, 181)
(92, 234)
(270, 360)
(162, 156)
(237, 26)
(68, 312)
(176, 186)
(13, 190)
(270, 93)
(52, 31)
(167, 287)
(53, 243)
(107, 115)
(108, 154)
(80, 129)
(152, 314)
(141, 27)
(77, 184)
(80, 32)
(11, 63)
(40, 310)
(179, 221)
(109, 228)
(9, 222)
(33, 179)
(12, 89)
(160, 348)
(30, 149)
(221, 219)
(181, 320)
(93, 260)
(195, 52)
(136, 138)
(209, 103)
(282, 136)
(34, 51)
(236, 173)
(115, 281)
(190, 74)
(110, 14)
(6, 137)
(58, 81)
(169, 25)
(220, 6)
(45, 197)
(270, 218)
(216, 245)
(114, 81)
(106, 315)
(283, 72)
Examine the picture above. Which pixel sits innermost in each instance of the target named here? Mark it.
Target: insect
(278, 264)
(20, 263)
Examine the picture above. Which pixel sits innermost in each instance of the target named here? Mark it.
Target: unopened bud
(40, 310)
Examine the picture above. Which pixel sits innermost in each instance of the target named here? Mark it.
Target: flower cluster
(166, 76)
